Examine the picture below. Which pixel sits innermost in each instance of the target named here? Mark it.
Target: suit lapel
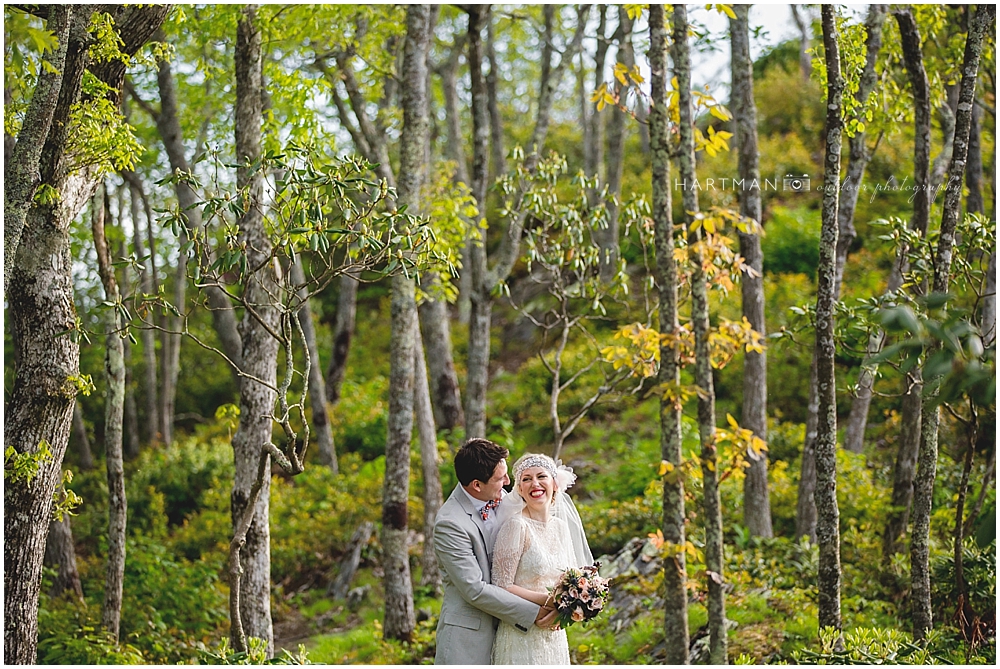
(467, 507)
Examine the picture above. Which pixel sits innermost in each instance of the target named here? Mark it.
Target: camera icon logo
(796, 184)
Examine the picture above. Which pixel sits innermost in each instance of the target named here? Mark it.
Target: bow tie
(490, 505)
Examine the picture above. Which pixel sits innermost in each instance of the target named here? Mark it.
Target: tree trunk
(82, 440)
(480, 304)
(904, 470)
(259, 350)
(219, 302)
(146, 333)
(859, 155)
(756, 503)
(675, 622)
(484, 280)
(130, 417)
(923, 489)
(989, 326)
(805, 511)
(805, 38)
(974, 203)
(910, 431)
(114, 368)
(608, 238)
(827, 513)
(41, 310)
(593, 151)
(703, 367)
(496, 121)
(317, 387)
(399, 618)
(424, 416)
(60, 554)
(343, 330)
(436, 331)
(448, 72)
(21, 171)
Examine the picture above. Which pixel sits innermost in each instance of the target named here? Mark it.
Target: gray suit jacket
(471, 604)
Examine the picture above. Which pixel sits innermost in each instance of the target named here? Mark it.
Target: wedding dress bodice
(533, 555)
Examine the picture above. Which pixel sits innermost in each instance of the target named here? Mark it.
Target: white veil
(562, 504)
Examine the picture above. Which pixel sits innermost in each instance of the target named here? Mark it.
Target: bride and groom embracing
(499, 554)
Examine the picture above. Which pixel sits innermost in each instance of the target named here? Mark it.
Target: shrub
(359, 419)
(791, 242)
(170, 484)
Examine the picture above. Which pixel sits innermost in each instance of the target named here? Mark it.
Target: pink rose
(577, 614)
(582, 584)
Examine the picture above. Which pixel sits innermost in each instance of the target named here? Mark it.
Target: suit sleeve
(455, 555)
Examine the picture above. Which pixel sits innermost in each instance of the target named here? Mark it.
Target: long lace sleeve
(512, 541)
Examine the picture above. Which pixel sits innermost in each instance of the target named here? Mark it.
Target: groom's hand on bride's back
(546, 617)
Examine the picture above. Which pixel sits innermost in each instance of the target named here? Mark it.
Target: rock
(355, 596)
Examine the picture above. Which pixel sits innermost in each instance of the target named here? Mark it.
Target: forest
(268, 267)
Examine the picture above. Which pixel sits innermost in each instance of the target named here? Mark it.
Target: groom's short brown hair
(477, 460)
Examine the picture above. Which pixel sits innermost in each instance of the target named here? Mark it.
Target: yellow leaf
(665, 467)
(708, 222)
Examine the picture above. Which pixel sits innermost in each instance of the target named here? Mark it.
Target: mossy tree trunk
(712, 506)
(756, 502)
(909, 435)
(827, 512)
(399, 617)
(259, 351)
(41, 312)
(923, 489)
(675, 622)
(114, 368)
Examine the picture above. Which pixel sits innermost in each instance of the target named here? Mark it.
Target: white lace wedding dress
(533, 555)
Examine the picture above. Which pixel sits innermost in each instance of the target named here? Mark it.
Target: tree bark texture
(910, 429)
(60, 554)
(827, 513)
(593, 151)
(399, 617)
(904, 469)
(614, 166)
(114, 369)
(756, 502)
(480, 304)
(712, 505)
(423, 414)
(21, 171)
(259, 350)
(859, 156)
(923, 489)
(675, 622)
(436, 330)
(343, 330)
(41, 310)
(146, 333)
(497, 151)
(130, 418)
(317, 386)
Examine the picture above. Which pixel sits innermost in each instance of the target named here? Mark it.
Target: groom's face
(491, 489)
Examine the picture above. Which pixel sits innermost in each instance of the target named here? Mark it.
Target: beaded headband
(535, 461)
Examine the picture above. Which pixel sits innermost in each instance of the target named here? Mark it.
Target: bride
(540, 535)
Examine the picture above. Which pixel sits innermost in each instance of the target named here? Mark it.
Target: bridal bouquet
(579, 595)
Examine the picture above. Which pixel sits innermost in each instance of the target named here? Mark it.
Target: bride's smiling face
(536, 487)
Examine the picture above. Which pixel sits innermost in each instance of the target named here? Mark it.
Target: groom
(463, 542)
